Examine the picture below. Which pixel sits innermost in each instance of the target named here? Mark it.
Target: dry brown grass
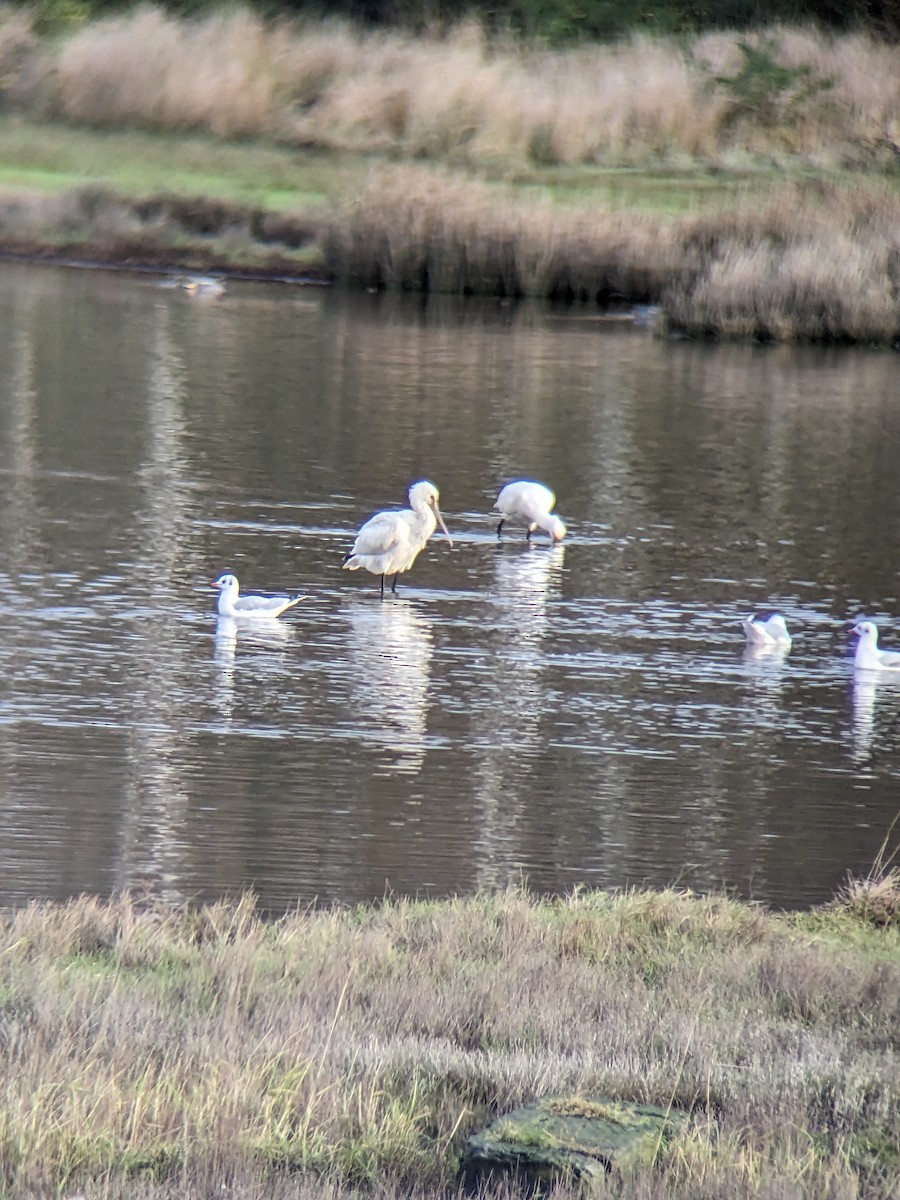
(811, 262)
(875, 898)
(814, 262)
(171, 1052)
(418, 230)
(457, 96)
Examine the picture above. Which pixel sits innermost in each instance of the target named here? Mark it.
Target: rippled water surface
(574, 715)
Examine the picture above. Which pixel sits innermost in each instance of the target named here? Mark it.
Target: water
(572, 715)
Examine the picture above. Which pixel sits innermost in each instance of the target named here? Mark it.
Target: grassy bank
(747, 185)
(152, 1052)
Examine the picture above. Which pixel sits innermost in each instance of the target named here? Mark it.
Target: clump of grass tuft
(813, 263)
(222, 73)
(874, 899)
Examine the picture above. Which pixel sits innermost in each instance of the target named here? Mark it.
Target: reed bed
(152, 1051)
(814, 262)
(415, 229)
(451, 122)
(463, 97)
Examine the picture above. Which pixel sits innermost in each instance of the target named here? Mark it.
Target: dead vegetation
(152, 1051)
(457, 119)
(462, 97)
(811, 262)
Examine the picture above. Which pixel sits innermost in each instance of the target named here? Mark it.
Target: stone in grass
(568, 1138)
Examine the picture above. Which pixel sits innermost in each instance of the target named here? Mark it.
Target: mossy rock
(568, 1138)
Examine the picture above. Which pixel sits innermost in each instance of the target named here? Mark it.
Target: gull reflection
(226, 645)
(871, 691)
(390, 648)
(524, 584)
(776, 653)
(264, 635)
(766, 674)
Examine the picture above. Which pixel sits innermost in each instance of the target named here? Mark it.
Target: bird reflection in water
(389, 649)
(765, 672)
(261, 635)
(872, 691)
(524, 585)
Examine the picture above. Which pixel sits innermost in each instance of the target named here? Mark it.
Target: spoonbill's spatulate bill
(389, 542)
(768, 634)
(233, 604)
(529, 502)
(868, 657)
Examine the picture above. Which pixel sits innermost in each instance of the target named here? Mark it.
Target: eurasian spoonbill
(389, 542)
(769, 634)
(232, 604)
(532, 502)
(868, 657)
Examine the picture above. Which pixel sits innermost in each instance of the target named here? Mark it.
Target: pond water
(572, 715)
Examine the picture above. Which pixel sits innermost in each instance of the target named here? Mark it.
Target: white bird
(532, 502)
(868, 657)
(389, 542)
(232, 604)
(768, 634)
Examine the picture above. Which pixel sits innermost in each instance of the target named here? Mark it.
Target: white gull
(868, 657)
(769, 634)
(232, 604)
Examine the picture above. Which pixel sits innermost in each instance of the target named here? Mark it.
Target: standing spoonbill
(868, 657)
(767, 634)
(232, 604)
(388, 542)
(532, 502)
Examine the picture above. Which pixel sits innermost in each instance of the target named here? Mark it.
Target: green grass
(58, 158)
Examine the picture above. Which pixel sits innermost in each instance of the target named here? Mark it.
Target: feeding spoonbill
(388, 542)
(868, 657)
(232, 604)
(767, 634)
(532, 502)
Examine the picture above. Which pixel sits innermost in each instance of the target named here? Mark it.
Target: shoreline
(809, 262)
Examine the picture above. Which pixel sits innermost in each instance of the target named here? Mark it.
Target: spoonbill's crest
(771, 633)
(389, 542)
(868, 657)
(232, 604)
(530, 502)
